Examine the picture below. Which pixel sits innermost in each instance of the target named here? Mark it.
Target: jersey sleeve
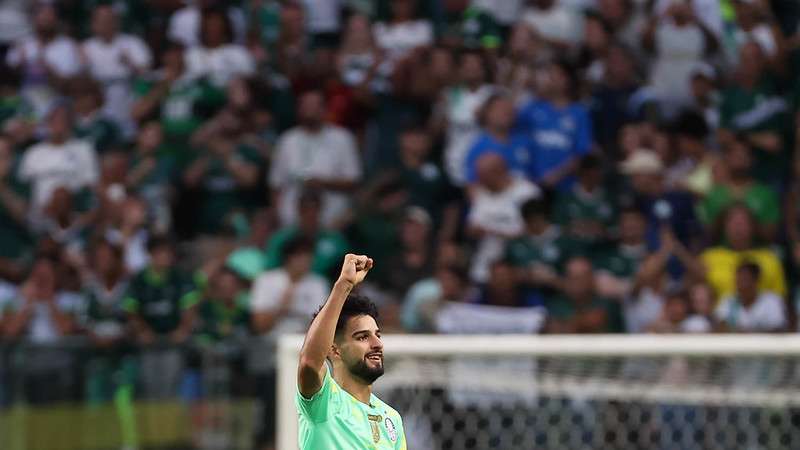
(317, 409)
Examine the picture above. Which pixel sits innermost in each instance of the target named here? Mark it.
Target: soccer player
(336, 406)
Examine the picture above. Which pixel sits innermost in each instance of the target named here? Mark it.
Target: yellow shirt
(721, 264)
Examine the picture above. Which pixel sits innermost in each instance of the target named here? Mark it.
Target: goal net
(582, 392)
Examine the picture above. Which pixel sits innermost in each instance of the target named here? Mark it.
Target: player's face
(362, 349)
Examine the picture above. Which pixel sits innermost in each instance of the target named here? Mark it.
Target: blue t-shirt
(556, 135)
(516, 151)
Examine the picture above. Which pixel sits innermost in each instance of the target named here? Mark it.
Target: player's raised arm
(319, 339)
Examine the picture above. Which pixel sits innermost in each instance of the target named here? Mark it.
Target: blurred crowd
(188, 171)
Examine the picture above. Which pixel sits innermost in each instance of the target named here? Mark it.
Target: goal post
(591, 391)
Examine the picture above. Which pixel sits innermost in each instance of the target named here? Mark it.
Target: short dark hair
(751, 267)
(535, 207)
(298, 244)
(692, 124)
(589, 162)
(160, 241)
(354, 306)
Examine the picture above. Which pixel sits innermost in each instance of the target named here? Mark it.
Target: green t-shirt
(101, 132)
(15, 240)
(561, 308)
(577, 205)
(758, 110)
(218, 321)
(160, 299)
(333, 419)
(221, 194)
(479, 30)
(759, 199)
(329, 249)
(105, 315)
(620, 261)
(550, 249)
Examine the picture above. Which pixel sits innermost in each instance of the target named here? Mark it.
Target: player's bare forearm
(321, 333)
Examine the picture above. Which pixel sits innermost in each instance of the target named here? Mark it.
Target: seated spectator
(560, 129)
(674, 317)
(91, 123)
(539, 254)
(46, 58)
(216, 57)
(58, 161)
(694, 169)
(496, 118)
(457, 112)
(282, 299)
(560, 26)
(450, 284)
(175, 97)
(329, 245)
(751, 309)
(752, 106)
(114, 59)
(645, 172)
(414, 260)
(151, 174)
(161, 300)
(41, 311)
(15, 237)
(224, 310)
(494, 214)
(739, 186)
(404, 31)
(739, 243)
(585, 210)
(579, 309)
(314, 155)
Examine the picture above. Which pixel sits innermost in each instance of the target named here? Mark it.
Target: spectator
(674, 317)
(127, 227)
(579, 309)
(58, 161)
(152, 170)
(293, 48)
(613, 97)
(15, 238)
(496, 118)
(224, 311)
(751, 309)
(91, 123)
(283, 299)
(403, 32)
(739, 186)
(585, 211)
(705, 94)
(740, 244)
(185, 24)
(694, 170)
(249, 260)
(359, 61)
(175, 97)
(753, 107)
(105, 285)
(161, 300)
(678, 38)
(755, 22)
(494, 214)
(560, 26)
(701, 308)
(560, 128)
(619, 263)
(414, 260)
(216, 57)
(457, 110)
(47, 59)
(523, 51)
(114, 59)
(329, 245)
(450, 284)
(314, 155)
(59, 221)
(323, 21)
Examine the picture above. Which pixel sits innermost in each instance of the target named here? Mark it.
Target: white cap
(642, 161)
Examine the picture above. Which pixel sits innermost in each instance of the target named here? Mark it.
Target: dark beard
(365, 373)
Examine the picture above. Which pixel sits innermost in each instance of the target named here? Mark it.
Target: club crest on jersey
(390, 428)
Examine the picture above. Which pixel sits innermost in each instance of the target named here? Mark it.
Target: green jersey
(332, 419)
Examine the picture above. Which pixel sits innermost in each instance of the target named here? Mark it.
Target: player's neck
(353, 386)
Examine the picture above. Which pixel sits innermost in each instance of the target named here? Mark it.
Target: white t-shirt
(467, 318)
(323, 16)
(399, 39)
(505, 12)
(309, 295)
(329, 154)
(42, 327)
(460, 106)
(106, 65)
(556, 24)
(768, 313)
(643, 310)
(48, 166)
(498, 213)
(219, 64)
(61, 55)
